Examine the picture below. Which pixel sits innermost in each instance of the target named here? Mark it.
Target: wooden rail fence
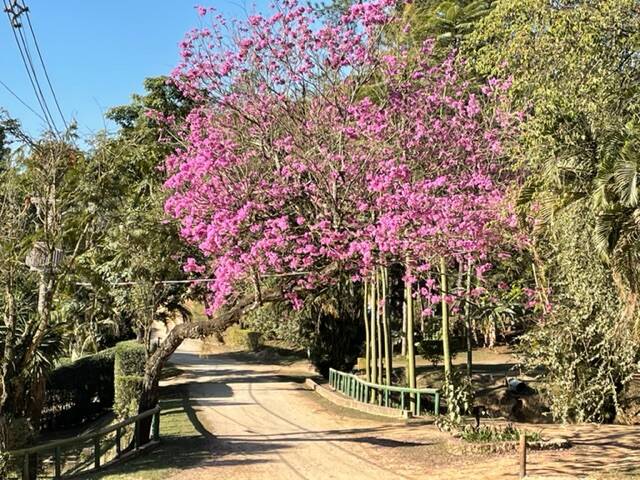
(28, 458)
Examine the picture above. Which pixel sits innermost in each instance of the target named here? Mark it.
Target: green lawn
(184, 444)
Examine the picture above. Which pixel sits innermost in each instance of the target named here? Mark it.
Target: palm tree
(604, 174)
(616, 200)
(453, 20)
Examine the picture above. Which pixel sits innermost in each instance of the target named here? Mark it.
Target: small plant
(448, 424)
(458, 393)
(239, 337)
(489, 433)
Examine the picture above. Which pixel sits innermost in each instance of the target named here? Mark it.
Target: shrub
(488, 433)
(275, 321)
(239, 337)
(128, 369)
(432, 349)
(79, 391)
(16, 433)
(334, 343)
(585, 350)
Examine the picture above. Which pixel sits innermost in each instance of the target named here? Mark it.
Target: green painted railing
(30, 456)
(404, 398)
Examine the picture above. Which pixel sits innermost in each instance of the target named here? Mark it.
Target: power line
(35, 77)
(24, 62)
(22, 101)
(44, 68)
(15, 10)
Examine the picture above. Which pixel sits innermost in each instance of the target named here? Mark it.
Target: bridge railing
(417, 400)
(30, 461)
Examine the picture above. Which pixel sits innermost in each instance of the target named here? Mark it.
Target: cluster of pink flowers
(314, 146)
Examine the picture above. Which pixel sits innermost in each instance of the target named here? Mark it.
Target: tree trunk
(411, 356)
(385, 327)
(374, 341)
(445, 319)
(467, 318)
(403, 345)
(155, 363)
(367, 340)
(379, 330)
(7, 359)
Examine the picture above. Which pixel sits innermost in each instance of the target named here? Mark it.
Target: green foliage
(449, 22)
(575, 75)
(453, 21)
(483, 433)
(129, 364)
(275, 322)
(17, 433)
(239, 337)
(616, 197)
(79, 391)
(129, 358)
(584, 348)
(457, 392)
(134, 242)
(495, 433)
(331, 324)
(432, 350)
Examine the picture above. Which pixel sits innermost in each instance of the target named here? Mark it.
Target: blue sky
(98, 52)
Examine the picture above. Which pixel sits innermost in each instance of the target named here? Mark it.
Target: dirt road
(263, 424)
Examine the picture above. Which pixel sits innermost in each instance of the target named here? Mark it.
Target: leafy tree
(40, 212)
(583, 349)
(447, 22)
(134, 248)
(288, 171)
(575, 74)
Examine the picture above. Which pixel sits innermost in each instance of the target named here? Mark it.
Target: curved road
(263, 424)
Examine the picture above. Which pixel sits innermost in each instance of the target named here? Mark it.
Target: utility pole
(15, 10)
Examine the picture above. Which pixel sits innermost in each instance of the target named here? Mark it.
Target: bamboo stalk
(445, 318)
(379, 327)
(385, 326)
(467, 318)
(367, 333)
(374, 350)
(403, 346)
(411, 357)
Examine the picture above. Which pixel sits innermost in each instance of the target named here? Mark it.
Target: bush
(489, 433)
(15, 433)
(432, 350)
(585, 350)
(335, 343)
(79, 391)
(249, 339)
(128, 369)
(275, 321)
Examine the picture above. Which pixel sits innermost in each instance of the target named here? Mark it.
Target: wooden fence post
(57, 464)
(523, 455)
(96, 452)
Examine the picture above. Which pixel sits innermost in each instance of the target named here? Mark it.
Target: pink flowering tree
(317, 151)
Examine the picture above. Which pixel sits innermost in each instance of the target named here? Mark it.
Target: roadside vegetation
(376, 186)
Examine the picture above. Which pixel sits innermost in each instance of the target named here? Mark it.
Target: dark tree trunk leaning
(217, 324)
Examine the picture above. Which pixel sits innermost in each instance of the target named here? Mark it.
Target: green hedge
(128, 374)
(79, 391)
(234, 335)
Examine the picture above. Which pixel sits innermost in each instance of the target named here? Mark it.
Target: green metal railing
(404, 398)
(31, 456)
